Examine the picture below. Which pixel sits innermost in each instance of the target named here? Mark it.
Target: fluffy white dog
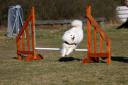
(72, 38)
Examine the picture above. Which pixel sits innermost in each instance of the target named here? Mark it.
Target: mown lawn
(50, 71)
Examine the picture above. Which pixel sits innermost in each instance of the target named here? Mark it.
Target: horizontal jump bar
(57, 49)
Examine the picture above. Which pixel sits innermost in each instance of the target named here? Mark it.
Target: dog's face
(72, 37)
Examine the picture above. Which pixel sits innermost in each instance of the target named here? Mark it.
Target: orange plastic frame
(28, 49)
(93, 55)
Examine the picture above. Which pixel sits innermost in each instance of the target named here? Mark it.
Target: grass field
(50, 71)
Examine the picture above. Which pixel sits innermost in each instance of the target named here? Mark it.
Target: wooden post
(109, 52)
(88, 12)
(33, 34)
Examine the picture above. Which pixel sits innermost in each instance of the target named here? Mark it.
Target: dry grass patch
(52, 72)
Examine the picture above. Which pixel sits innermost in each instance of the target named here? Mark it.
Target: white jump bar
(57, 49)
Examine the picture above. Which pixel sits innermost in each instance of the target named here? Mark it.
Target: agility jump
(26, 41)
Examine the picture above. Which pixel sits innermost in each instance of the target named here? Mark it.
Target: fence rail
(62, 22)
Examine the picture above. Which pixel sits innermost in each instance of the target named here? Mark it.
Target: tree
(61, 9)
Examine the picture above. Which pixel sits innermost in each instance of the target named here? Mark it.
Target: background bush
(61, 9)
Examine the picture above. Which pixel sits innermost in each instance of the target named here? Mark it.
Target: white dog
(72, 38)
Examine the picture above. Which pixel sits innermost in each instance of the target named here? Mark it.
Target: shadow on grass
(68, 59)
(120, 59)
(123, 59)
(15, 58)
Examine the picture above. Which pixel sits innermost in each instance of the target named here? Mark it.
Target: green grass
(50, 71)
